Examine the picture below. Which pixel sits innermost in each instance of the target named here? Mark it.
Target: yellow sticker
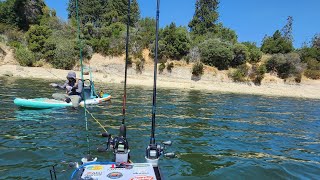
(95, 168)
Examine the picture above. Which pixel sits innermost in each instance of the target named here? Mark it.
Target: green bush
(129, 61)
(140, 65)
(187, 59)
(14, 35)
(170, 67)
(257, 74)
(240, 74)
(162, 66)
(241, 55)
(288, 65)
(24, 56)
(216, 53)
(37, 38)
(197, 69)
(309, 52)
(312, 74)
(313, 64)
(15, 44)
(65, 55)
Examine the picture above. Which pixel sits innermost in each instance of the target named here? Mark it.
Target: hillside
(111, 70)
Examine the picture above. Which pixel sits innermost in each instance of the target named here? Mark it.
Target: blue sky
(251, 19)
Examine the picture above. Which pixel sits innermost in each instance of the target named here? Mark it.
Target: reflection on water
(216, 136)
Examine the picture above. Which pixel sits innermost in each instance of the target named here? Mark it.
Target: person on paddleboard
(73, 87)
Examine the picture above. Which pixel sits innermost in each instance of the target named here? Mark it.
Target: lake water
(215, 135)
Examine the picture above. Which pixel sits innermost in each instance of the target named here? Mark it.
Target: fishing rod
(154, 97)
(123, 129)
(154, 151)
(120, 144)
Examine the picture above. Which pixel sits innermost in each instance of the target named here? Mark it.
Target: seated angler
(73, 87)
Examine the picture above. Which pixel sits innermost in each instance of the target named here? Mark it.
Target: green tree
(241, 55)
(254, 52)
(287, 29)
(205, 17)
(116, 11)
(276, 44)
(7, 13)
(309, 52)
(146, 29)
(21, 13)
(216, 53)
(224, 33)
(316, 41)
(174, 42)
(29, 12)
(89, 11)
(37, 38)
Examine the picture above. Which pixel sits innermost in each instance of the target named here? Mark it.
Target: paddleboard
(45, 103)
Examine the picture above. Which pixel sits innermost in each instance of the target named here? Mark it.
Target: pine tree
(205, 17)
(89, 11)
(117, 11)
(287, 29)
(316, 41)
(29, 12)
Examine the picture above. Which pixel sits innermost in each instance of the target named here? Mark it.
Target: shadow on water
(216, 136)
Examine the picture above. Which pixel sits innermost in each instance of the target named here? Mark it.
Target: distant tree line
(39, 36)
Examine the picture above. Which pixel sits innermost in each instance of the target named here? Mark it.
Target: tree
(216, 53)
(29, 12)
(89, 11)
(254, 52)
(37, 37)
(287, 29)
(7, 13)
(117, 11)
(276, 44)
(316, 41)
(135, 12)
(309, 53)
(146, 28)
(174, 42)
(21, 13)
(224, 33)
(241, 55)
(205, 17)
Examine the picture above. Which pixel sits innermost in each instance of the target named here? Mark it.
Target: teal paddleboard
(40, 103)
(45, 103)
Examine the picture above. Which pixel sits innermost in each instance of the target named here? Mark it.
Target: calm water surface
(216, 136)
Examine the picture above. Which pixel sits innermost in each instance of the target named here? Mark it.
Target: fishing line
(54, 74)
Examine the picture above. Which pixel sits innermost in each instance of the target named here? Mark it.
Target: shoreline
(276, 89)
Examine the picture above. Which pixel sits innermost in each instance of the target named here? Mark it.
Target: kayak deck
(111, 170)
